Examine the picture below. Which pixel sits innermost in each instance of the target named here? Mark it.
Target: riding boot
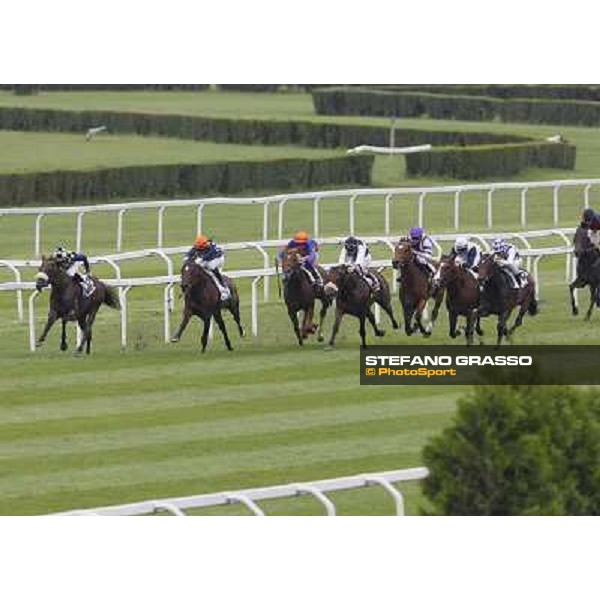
(224, 288)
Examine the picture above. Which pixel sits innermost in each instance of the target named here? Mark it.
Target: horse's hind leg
(88, 333)
(371, 317)
(588, 315)
(439, 298)
(421, 313)
(234, 309)
(221, 324)
(52, 316)
(187, 315)
(386, 305)
(453, 317)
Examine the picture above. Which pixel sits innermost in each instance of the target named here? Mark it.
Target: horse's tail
(533, 308)
(111, 297)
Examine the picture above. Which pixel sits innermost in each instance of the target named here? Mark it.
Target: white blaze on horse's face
(438, 275)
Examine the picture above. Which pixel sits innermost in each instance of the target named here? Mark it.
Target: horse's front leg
(325, 304)
(63, 336)
(408, 311)
(386, 305)
(420, 314)
(576, 285)
(362, 330)
(470, 327)
(308, 327)
(336, 327)
(439, 298)
(453, 318)
(205, 332)
(293, 314)
(52, 316)
(501, 328)
(187, 315)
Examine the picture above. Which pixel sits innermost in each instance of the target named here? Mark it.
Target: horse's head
(403, 254)
(291, 259)
(487, 268)
(189, 275)
(48, 273)
(448, 271)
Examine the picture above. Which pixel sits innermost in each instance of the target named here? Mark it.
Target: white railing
(389, 195)
(249, 498)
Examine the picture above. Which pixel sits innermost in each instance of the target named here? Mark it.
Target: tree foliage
(518, 450)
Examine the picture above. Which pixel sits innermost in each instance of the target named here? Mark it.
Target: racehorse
(299, 295)
(69, 303)
(462, 296)
(414, 289)
(202, 299)
(498, 297)
(588, 271)
(353, 296)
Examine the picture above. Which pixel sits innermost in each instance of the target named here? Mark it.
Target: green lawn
(26, 152)
(158, 421)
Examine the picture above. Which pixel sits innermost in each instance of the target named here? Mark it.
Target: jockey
(509, 260)
(590, 220)
(309, 250)
(422, 246)
(73, 263)
(206, 254)
(466, 253)
(357, 254)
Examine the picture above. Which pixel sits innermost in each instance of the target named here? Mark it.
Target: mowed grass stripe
(229, 429)
(88, 477)
(122, 492)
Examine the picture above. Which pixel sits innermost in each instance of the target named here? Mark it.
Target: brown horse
(68, 302)
(300, 295)
(202, 299)
(498, 297)
(462, 296)
(353, 297)
(588, 271)
(415, 289)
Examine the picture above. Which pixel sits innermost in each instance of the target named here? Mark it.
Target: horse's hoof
(427, 334)
(64, 347)
(175, 340)
(242, 332)
(230, 349)
(395, 326)
(321, 338)
(575, 312)
(39, 344)
(329, 347)
(380, 333)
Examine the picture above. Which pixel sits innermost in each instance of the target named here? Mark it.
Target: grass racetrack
(158, 421)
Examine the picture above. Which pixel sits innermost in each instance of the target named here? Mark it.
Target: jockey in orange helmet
(309, 250)
(206, 254)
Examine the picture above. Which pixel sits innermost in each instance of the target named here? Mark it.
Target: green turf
(25, 152)
(158, 421)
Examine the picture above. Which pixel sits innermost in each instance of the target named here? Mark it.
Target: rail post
(255, 283)
(31, 315)
(280, 209)
(316, 202)
(490, 209)
(351, 215)
(421, 208)
(555, 212)
(457, 210)
(38, 234)
(79, 232)
(120, 216)
(524, 207)
(388, 215)
(199, 211)
(123, 299)
(160, 228)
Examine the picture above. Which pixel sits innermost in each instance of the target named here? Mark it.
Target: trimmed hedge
(233, 131)
(543, 91)
(497, 161)
(370, 102)
(65, 187)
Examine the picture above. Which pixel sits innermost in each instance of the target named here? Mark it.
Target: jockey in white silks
(357, 255)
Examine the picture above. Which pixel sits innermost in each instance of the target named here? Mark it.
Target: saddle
(87, 285)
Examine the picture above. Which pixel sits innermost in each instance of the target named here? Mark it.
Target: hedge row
(496, 161)
(65, 187)
(355, 101)
(546, 91)
(282, 133)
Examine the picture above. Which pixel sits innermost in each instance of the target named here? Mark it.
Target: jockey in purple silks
(309, 250)
(422, 246)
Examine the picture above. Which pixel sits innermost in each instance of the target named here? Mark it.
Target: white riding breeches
(77, 268)
(211, 265)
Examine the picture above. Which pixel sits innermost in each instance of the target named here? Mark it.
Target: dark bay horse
(300, 296)
(498, 297)
(588, 271)
(202, 299)
(353, 296)
(415, 289)
(68, 302)
(462, 296)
